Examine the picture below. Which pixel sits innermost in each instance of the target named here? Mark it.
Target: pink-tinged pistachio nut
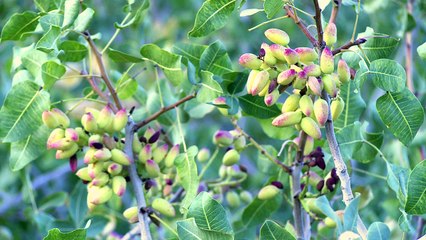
(203, 155)
(95, 140)
(268, 192)
(264, 90)
(336, 80)
(71, 134)
(65, 154)
(315, 85)
(250, 80)
(98, 195)
(101, 179)
(131, 214)
(88, 156)
(300, 81)
(240, 143)
(249, 60)
(260, 82)
(145, 153)
(164, 207)
(120, 120)
(278, 52)
(114, 168)
(83, 174)
(312, 70)
(343, 71)
(61, 117)
(55, 135)
(61, 144)
(221, 105)
(167, 190)
(223, 138)
(269, 58)
(309, 145)
(119, 185)
(330, 85)
(231, 157)
(120, 157)
(330, 34)
(287, 119)
(171, 156)
(89, 123)
(94, 169)
(102, 154)
(95, 112)
(277, 36)
(327, 61)
(286, 77)
(271, 98)
(321, 111)
(306, 105)
(336, 108)
(106, 116)
(152, 169)
(160, 153)
(272, 85)
(50, 120)
(109, 142)
(291, 103)
(310, 127)
(291, 56)
(306, 54)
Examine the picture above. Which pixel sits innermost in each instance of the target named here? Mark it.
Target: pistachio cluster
(277, 67)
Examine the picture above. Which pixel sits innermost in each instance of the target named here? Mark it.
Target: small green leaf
(72, 51)
(47, 43)
(51, 19)
(354, 105)
(188, 230)
(272, 7)
(83, 20)
(32, 61)
(47, 5)
(51, 72)
(121, 57)
(55, 234)
(210, 89)
(212, 16)
(56, 199)
(272, 230)
(71, 10)
(255, 106)
(378, 231)
(350, 217)
(346, 137)
(421, 50)
(258, 210)
(18, 25)
(324, 205)
(402, 113)
(127, 86)
(397, 181)
(416, 194)
(191, 51)
(78, 204)
(215, 59)
(234, 82)
(387, 74)
(367, 153)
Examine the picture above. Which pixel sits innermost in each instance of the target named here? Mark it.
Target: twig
(154, 116)
(320, 43)
(261, 149)
(129, 235)
(334, 11)
(349, 44)
(419, 228)
(409, 51)
(300, 24)
(177, 195)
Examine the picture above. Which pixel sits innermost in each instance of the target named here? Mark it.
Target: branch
(409, 51)
(154, 116)
(300, 24)
(104, 74)
(261, 149)
(349, 45)
(334, 11)
(320, 43)
(136, 182)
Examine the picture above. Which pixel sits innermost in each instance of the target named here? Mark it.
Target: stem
(137, 126)
(408, 51)
(300, 24)
(356, 20)
(369, 173)
(320, 43)
(269, 21)
(349, 44)
(136, 182)
(117, 31)
(212, 158)
(165, 224)
(334, 11)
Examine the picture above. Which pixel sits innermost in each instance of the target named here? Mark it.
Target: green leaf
(367, 153)
(349, 139)
(121, 57)
(71, 10)
(169, 62)
(272, 230)
(209, 214)
(255, 106)
(215, 59)
(354, 105)
(416, 194)
(421, 50)
(47, 43)
(350, 216)
(378, 231)
(404, 222)
(212, 16)
(127, 86)
(191, 51)
(22, 111)
(271, 131)
(258, 210)
(56, 199)
(387, 74)
(32, 61)
(28, 149)
(78, 204)
(397, 180)
(188, 230)
(234, 82)
(324, 205)
(18, 25)
(188, 175)
(83, 20)
(272, 7)
(51, 72)
(402, 113)
(210, 89)
(51, 19)
(55, 234)
(72, 51)
(47, 5)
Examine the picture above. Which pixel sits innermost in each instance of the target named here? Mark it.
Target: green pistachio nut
(291, 103)
(94, 169)
(136, 145)
(99, 195)
(100, 180)
(278, 52)
(120, 157)
(88, 156)
(131, 214)
(49, 119)
(321, 111)
(291, 56)
(246, 196)
(330, 34)
(327, 61)
(89, 123)
(330, 85)
(312, 70)
(310, 127)
(66, 154)
(56, 135)
(231, 157)
(277, 36)
(269, 58)
(271, 98)
(343, 71)
(240, 143)
(223, 138)
(114, 168)
(300, 81)
(336, 107)
(250, 80)
(260, 82)
(314, 86)
(83, 174)
(233, 199)
(61, 117)
(171, 156)
(268, 192)
(119, 185)
(203, 155)
(106, 116)
(160, 153)
(306, 54)
(287, 119)
(102, 154)
(163, 207)
(306, 105)
(120, 120)
(249, 60)
(145, 153)
(152, 168)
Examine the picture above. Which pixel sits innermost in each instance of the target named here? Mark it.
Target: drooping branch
(349, 45)
(409, 51)
(320, 43)
(335, 11)
(300, 24)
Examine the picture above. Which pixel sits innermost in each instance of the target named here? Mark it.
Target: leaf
(272, 7)
(83, 20)
(255, 106)
(32, 61)
(22, 111)
(188, 230)
(397, 180)
(18, 25)
(250, 12)
(169, 62)
(271, 131)
(258, 210)
(121, 57)
(78, 204)
(421, 50)
(191, 51)
(55, 234)
(378, 231)
(349, 139)
(324, 205)
(215, 59)
(402, 113)
(354, 105)
(387, 74)
(367, 153)
(212, 16)
(234, 82)
(188, 175)
(323, 3)
(51, 19)
(416, 194)
(404, 222)
(210, 89)
(47, 5)
(127, 86)
(209, 214)
(272, 230)
(51, 72)
(72, 51)
(28, 149)
(56, 199)
(47, 43)
(71, 10)
(350, 216)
